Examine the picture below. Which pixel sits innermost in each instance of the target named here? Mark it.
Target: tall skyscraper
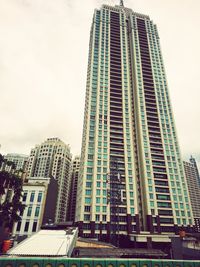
(193, 181)
(53, 158)
(129, 134)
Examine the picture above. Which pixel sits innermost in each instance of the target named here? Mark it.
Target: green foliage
(1, 160)
(10, 198)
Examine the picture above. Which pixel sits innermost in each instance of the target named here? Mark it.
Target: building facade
(53, 159)
(193, 181)
(19, 160)
(39, 197)
(73, 188)
(129, 136)
(34, 197)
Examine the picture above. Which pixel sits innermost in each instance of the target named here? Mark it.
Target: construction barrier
(88, 262)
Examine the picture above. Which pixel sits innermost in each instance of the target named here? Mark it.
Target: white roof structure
(47, 243)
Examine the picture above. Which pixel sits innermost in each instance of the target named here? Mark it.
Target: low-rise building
(39, 196)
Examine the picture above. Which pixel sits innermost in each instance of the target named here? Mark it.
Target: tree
(1, 160)
(10, 198)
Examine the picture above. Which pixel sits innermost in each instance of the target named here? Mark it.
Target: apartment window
(37, 211)
(87, 208)
(24, 196)
(34, 227)
(151, 203)
(89, 177)
(104, 201)
(32, 197)
(18, 226)
(151, 196)
(104, 209)
(182, 213)
(87, 200)
(97, 208)
(86, 217)
(39, 197)
(98, 192)
(26, 227)
(97, 217)
(89, 170)
(29, 211)
(132, 211)
(88, 184)
(98, 184)
(88, 192)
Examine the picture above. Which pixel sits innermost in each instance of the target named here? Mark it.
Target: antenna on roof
(121, 3)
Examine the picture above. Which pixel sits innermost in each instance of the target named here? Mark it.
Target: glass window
(18, 226)
(88, 192)
(98, 200)
(37, 211)
(26, 227)
(151, 203)
(86, 217)
(97, 208)
(89, 177)
(87, 200)
(24, 196)
(39, 197)
(32, 197)
(104, 209)
(88, 184)
(98, 192)
(34, 228)
(29, 211)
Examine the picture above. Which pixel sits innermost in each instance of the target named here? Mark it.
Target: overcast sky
(43, 66)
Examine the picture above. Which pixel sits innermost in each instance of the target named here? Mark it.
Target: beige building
(193, 181)
(19, 160)
(34, 197)
(39, 197)
(53, 159)
(131, 172)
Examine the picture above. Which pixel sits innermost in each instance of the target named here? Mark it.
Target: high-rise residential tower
(53, 159)
(19, 160)
(73, 188)
(193, 181)
(129, 134)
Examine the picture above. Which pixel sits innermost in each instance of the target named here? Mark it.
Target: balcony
(160, 175)
(158, 163)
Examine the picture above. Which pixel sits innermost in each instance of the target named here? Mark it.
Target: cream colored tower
(53, 158)
(129, 132)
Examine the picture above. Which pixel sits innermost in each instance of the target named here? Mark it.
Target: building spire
(121, 3)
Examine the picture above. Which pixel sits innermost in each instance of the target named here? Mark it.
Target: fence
(64, 262)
